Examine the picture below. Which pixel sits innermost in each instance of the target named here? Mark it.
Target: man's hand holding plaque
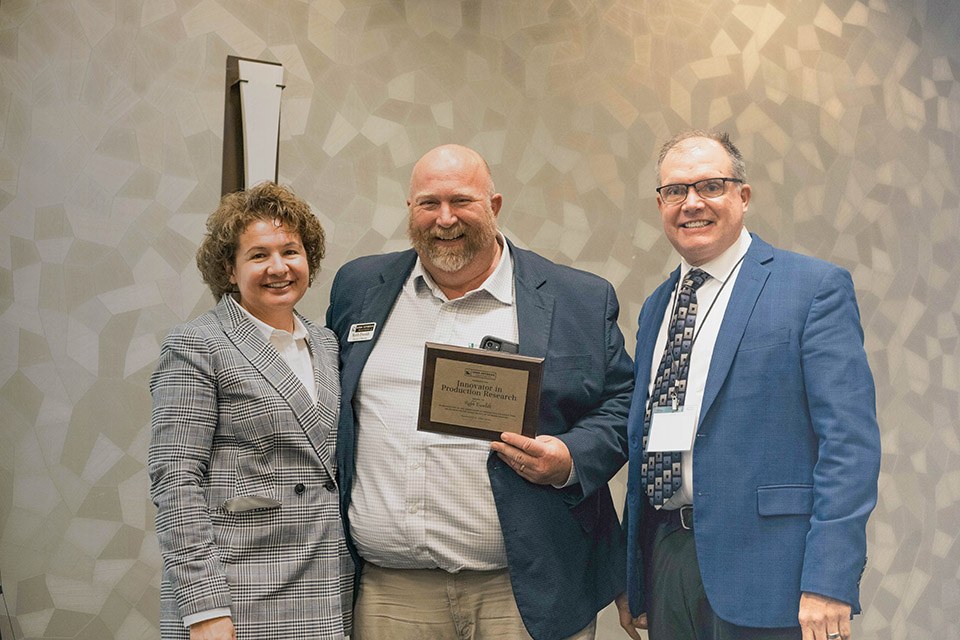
(541, 460)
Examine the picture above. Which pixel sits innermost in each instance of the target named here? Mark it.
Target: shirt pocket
(785, 500)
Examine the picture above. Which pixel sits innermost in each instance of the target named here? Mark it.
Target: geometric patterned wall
(848, 112)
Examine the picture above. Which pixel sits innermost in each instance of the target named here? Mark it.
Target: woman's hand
(213, 629)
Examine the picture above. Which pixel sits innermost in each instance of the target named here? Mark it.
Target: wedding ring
(521, 471)
(833, 636)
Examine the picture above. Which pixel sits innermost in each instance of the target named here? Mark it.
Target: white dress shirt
(295, 350)
(723, 268)
(423, 500)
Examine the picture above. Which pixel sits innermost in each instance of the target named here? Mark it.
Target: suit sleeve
(184, 422)
(842, 404)
(334, 309)
(333, 296)
(598, 439)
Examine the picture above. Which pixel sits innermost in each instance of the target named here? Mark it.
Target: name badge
(673, 430)
(361, 332)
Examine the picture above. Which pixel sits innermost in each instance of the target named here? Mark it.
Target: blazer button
(300, 488)
(330, 486)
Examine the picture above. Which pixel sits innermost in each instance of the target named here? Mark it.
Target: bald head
(450, 160)
(453, 218)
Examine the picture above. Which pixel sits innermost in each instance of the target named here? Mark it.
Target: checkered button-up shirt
(419, 499)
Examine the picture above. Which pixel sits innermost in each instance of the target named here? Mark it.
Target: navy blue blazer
(787, 451)
(565, 548)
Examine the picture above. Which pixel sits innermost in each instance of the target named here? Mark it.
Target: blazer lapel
(377, 303)
(265, 359)
(327, 407)
(750, 281)
(534, 307)
(649, 328)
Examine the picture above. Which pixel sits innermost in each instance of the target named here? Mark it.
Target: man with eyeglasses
(754, 446)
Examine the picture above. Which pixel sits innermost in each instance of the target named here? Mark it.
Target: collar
(722, 266)
(299, 331)
(498, 284)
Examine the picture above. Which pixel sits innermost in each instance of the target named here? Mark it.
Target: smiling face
(453, 213)
(701, 228)
(271, 271)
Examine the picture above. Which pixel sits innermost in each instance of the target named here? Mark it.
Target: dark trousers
(677, 606)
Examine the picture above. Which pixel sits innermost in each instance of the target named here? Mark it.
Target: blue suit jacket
(565, 548)
(787, 451)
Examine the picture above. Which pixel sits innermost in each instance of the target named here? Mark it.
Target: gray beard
(452, 259)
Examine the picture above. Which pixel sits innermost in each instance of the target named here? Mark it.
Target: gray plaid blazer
(243, 472)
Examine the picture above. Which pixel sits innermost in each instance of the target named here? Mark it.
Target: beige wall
(111, 110)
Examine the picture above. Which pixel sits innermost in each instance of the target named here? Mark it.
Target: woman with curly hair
(242, 457)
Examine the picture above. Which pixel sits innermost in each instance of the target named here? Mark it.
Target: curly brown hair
(265, 201)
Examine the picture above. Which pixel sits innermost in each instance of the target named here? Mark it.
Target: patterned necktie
(662, 469)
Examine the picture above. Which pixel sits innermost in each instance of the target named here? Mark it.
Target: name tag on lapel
(361, 332)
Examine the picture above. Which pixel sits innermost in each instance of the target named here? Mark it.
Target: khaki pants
(431, 604)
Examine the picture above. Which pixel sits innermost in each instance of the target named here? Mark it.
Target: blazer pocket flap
(240, 504)
(784, 500)
(769, 339)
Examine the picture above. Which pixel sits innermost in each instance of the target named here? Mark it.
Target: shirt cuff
(572, 479)
(210, 614)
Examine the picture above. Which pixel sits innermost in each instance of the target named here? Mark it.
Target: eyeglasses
(709, 188)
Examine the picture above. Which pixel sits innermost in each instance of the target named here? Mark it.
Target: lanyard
(703, 319)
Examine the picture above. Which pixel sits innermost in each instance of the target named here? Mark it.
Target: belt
(682, 518)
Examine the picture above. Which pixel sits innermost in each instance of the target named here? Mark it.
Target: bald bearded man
(460, 538)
